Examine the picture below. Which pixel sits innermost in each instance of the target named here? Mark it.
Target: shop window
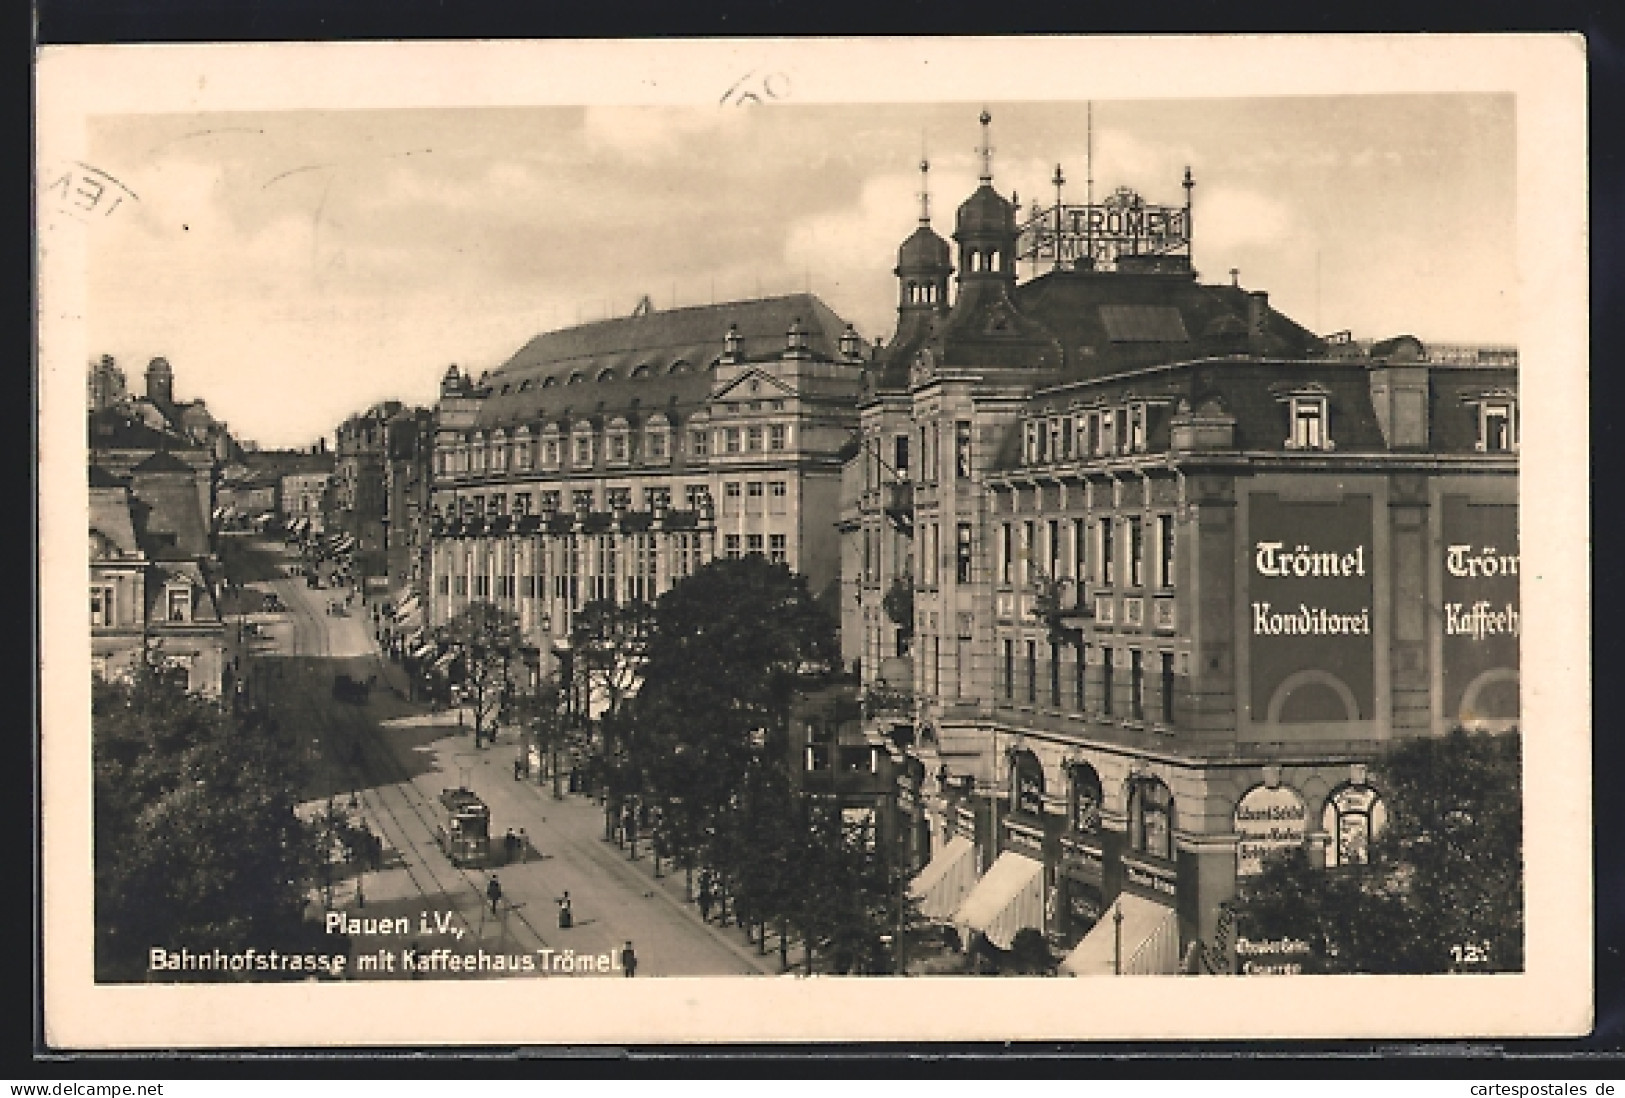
(1354, 816)
(1026, 784)
(1151, 818)
(1083, 799)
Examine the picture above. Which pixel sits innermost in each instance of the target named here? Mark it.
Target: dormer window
(657, 439)
(581, 454)
(1498, 426)
(178, 604)
(1308, 424)
(617, 442)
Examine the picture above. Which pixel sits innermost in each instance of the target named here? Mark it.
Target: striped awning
(1009, 896)
(945, 880)
(1146, 944)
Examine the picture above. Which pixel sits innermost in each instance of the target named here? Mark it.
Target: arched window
(657, 440)
(617, 442)
(1083, 799)
(522, 453)
(551, 446)
(1026, 783)
(1151, 818)
(1353, 817)
(581, 446)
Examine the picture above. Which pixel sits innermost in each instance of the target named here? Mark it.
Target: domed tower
(923, 262)
(986, 228)
(160, 383)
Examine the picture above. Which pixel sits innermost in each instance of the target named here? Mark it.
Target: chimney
(1258, 309)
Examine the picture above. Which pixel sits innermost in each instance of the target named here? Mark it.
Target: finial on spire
(925, 191)
(986, 151)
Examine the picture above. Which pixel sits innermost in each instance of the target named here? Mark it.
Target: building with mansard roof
(610, 459)
(1141, 575)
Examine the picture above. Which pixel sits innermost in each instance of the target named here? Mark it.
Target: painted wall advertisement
(1480, 610)
(1310, 585)
(1267, 820)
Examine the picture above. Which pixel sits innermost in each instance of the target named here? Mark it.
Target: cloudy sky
(297, 266)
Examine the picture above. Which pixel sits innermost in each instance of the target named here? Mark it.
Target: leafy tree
(487, 640)
(196, 840)
(608, 647)
(1443, 890)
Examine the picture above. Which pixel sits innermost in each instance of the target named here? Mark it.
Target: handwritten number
(774, 85)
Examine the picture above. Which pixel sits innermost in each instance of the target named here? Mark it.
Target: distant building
(359, 496)
(611, 459)
(152, 580)
(107, 385)
(408, 492)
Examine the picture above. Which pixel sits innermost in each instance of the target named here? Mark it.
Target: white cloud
(651, 134)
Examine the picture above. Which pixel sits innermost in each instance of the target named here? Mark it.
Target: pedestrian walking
(629, 960)
(705, 899)
(510, 844)
(566, 918)
(493, 892)
(518, 769)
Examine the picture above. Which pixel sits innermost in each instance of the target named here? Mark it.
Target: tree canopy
(196, 839)
(1443, 889)
(487, 639)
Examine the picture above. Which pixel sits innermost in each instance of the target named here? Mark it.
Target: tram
(464, 828)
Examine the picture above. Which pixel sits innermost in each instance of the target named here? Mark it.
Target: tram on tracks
(463, 828)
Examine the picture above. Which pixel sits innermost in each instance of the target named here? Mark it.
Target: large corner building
(1141, 574)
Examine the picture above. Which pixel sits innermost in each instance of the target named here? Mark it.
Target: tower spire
(1060, 181)
(925, 191)
(986, 150)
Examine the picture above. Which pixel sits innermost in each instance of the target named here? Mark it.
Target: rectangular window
(962, 553)
(1055, 440)
(778, 549)
(1497, 428)
(900, 455)
(1108, 438)
(1308, 423)
(777, 435)
(1055, 675)
(482, 587)
(617, 446)
(521, 503)
(699, 443)
(443, 584)
(1080, 670)
(1106, 669)
(1030, 438)
(101, 606)
(1135, 551)
(1005, 552)
(1120, 429)
(962, 468)
(583, 451)
(730, 546)
(730, 439)
(1168, 688)
(180, 605)
(753, 439)
(620, 499)
(462, 585)
(656, 498)
(1165, 551)
(1107, 574)
(694, 495)
(1032, 671)
(1009, 675)
(1066, 437)
(1136, 685)
(1136, 428)
(730, 497)
(549, 502)
(656, 445)
(1054, 548)
(1079, 537)
(581, 499)
(778, 497)
(753, 497)
(1024, 564)
(753, 544)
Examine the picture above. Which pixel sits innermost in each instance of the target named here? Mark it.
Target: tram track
(382, 786)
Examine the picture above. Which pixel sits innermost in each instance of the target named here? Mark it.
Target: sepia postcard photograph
(813, 540)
